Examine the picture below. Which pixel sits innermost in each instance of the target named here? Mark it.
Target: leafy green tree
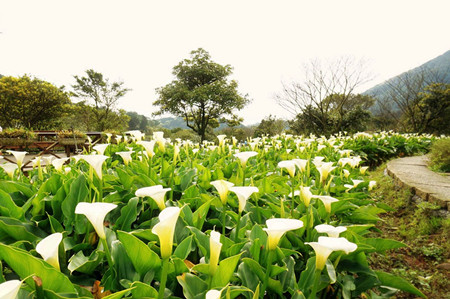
(30, 103)
(201, 93)
(104, 96)
(433, 109)
(270, 126)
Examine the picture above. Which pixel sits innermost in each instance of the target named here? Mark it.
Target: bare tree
(341, 77)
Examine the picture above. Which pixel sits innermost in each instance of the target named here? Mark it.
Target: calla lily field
(274, 217)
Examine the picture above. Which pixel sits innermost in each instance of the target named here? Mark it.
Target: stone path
(413, 173)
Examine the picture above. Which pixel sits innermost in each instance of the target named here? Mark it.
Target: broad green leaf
(192, 285)
(128, 215)
(382, 245)
(78, 193)
(255, 267)
(399, 283)
(225, 271)
(118, 295)
(20, 231)
(8, 207)
(143, 290)
(24, 264)
(80, 263)
(141, 256)
(184, 248)
(10, 187)
(199, 216)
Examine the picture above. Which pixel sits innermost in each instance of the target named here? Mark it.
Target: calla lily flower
(244, 156)
(176, 152)
(36, 162)
(243, 193)
(325, 170)
(305, 195)
(213, 294)
(363, 169)
(156, 192)
(108, 137)
(301, 164)
(9, 168)
(222, 187)
(96, 162)
(9, 289)
(289, 165)
(317, 161)
(327, 201)
(126, 156)
(214, 251)
(159, 138)
(58, 163)
(67, 170)
(165, 229)
(48, 249)
(330, 230)
(48, 159)
(372, 184)
(20, 156)
(338, 244)
(149, 147)
(355, 184)
(95, 213)
(277, 227)
(346, 173)
(221, 139)
(322, 254)
(100, 148)
(355, 161)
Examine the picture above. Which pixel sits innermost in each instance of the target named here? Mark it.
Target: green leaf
(78, 193)
(10, 187)
(125, 179)
(255, 267)
(141, 256)
(382, 245)
(24, 264)
(225, 271)
(142, 290)
(80, 263)
(118, 295)
(192, 285)
(331, 271)
(128, 215)
(8, 207)
(20, 231)
(184, 248)
(199, 215)
(399, 283)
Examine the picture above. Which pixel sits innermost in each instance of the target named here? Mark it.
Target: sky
(266, 42)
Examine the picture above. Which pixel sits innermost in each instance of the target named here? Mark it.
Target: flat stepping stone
(413, 173)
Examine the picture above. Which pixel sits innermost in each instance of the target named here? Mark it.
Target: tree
(327, 89)
(433, 109)
(30, 103)
(201, 93)
(103, 94)
(270, 126)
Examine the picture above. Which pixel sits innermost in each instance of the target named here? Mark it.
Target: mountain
(439, 65)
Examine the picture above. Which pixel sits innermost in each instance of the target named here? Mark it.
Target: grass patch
(425, 261)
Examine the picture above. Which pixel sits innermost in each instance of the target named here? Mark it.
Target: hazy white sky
(139, 42)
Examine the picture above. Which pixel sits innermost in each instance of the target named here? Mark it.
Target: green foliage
(71, 134)
(270, 126)
(433, 109)
(440, 155)
(17, 133)
(201, 93)
(30, 103)
(104, 96)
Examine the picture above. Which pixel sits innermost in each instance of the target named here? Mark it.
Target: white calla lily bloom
(221, 139)
(222, 188)
(9, 289)
(330, 230)
(157, 193)
(126, 156)
(243, 193)
(19, 156)
(36, 162)
(48, 249)
(95, 213)
(325, 169)
(213, 294)
(301, 164)
(277, 227)
(244, 156)
(149, 147)
(59, 163)
(372, 184)
(165, 229)
(100, 148)
(96, 162)
(327, 201)
(214, 251)
(305, 195)
(9, 168)
(289, 165)
(338, 244)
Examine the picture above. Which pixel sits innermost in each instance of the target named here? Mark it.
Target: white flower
(372, 184)
(327, 201)
(301, 164)
(20, 156)
(221, 139)
(325, 170)
(9, 289)
(156, 192)
(149, 147)
(214, 250)
(305, 195)
(9, 168)
(213, 294)
(126, 156)
(222, 188)
(165, 229)
(289, 165)
(243, 193)
(95, 213)
(100, 148)
(326, 245)
(58, 163)
(96, 162)
(277, 227)
(48, 249)
(244, 156)
(330, 230)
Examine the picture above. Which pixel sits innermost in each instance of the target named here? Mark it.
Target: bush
(17, 133)
(440, 155)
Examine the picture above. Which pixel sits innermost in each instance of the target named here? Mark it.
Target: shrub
(71, 134)
(440, 155)
(17, 133)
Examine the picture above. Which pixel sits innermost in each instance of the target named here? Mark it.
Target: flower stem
(162, 285)
(236, 236)
(315, 284)
(224, 215)
(108, 253)
(268, 270)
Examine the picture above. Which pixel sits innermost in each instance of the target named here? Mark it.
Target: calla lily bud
(9, 289)
(243, 193)
(277, 227)
(48, 249)
(222, 187)
(214, 251)
(95, 213)
(156, 192)
(165, 229)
